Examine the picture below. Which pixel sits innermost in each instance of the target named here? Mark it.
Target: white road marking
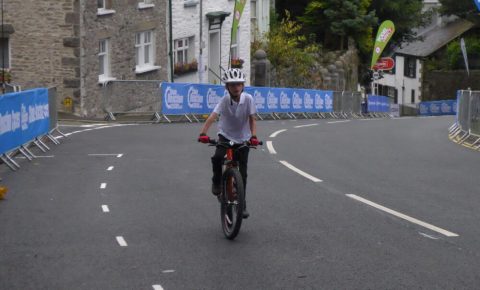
(276, 133)
(121, 241)
(309, 125)
(103, 185)
(270, 148)
(168, 271)
(110, 168)
(104, 154)
(334, 122)
(302, 173)
(157, 287)
(119, 155)
(36, 156)
(105, 208)
(428, 236)
(403, 216)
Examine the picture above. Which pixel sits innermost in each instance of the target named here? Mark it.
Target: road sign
(384, 63)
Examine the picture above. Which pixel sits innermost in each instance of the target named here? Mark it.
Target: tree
(405, 14)
(340, 19)
(465, 9)
(290, 52)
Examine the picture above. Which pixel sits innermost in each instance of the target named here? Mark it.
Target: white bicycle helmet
(233, 75)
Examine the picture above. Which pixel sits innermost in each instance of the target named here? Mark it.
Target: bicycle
(232, 197)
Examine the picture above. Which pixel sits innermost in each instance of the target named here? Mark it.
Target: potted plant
(183, 68)
(8, 76)
(236, 63)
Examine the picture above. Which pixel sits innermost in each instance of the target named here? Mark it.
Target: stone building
(78, 45)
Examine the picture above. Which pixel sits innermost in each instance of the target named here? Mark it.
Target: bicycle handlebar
(246, 143)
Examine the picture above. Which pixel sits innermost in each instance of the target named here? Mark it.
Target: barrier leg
(10, 160)
(24, 153)
(10, 165)
(55, 141)
(28, 151)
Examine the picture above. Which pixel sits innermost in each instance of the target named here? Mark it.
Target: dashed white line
(121, 241)
(103, 185)
(105, 208)
(104, 154)
(302, 173)
(302, 126)
(110, 168)
(157, 287)
(270, 148)
(403, 216)
(276, 133)
(168, 271)
(334, 122)
(119, 155)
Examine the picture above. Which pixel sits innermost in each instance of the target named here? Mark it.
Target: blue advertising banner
(438, 108)
(184, 98)
(23, 117)
(378, 104)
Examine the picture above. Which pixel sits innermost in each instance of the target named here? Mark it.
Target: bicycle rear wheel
(232, 203)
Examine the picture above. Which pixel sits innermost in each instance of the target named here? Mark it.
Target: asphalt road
(376, 204)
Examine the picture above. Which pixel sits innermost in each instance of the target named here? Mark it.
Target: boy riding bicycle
(237, 123)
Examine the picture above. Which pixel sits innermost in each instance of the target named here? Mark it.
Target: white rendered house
(201, 32)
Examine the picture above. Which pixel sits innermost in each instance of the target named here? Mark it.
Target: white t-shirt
(233, 123)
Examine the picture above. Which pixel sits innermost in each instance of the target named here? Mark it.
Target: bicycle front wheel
(232, 203)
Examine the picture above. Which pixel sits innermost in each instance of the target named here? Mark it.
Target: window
(184, 55)
(104, 7)
(104, 69)
(4, 53)
(145, 51)
(410, 67)
(188, 3)
(142, 4)
(413, 97)
(181, 51)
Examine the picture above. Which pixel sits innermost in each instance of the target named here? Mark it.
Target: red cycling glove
(203, 138)
(254, 141)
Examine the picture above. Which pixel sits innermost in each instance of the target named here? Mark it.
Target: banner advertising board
(438, 108)
(183, 98)
(23, 117)
(378, 104)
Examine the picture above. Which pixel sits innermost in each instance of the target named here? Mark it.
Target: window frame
(184, 50)
(410, 67)
(106, 7)
(144, 4)
(7, 54)
(145, 62)
(107, 64)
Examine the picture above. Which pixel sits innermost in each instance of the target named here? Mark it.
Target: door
(214, 57)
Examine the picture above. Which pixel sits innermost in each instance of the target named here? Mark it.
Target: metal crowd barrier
(466, 129)
(144, 97)
(38, 140)
(132, 97)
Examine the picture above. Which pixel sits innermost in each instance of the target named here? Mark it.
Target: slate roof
(434, 39)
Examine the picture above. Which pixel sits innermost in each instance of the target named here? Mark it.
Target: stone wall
(120, 27)
(443, 85)
(44, 47)
(55, 43)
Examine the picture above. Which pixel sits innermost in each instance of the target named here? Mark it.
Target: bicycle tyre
(232, 203)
